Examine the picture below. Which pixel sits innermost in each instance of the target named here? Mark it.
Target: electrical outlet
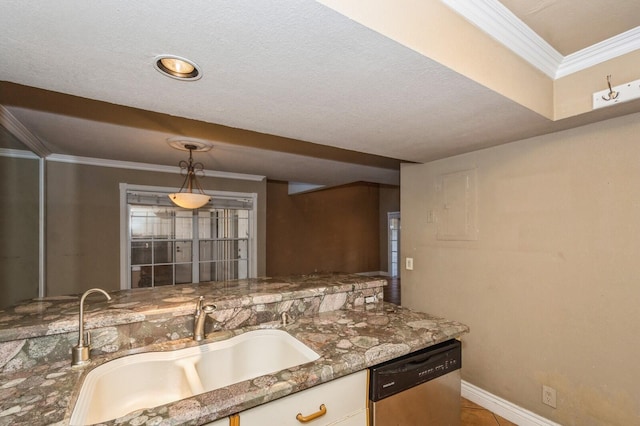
(409, 263)
(549, 396)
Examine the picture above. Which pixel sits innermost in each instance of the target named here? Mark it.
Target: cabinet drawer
(343, 398)
(358, 418)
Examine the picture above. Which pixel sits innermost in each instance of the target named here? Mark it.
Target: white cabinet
(358, 418)
(344, 400)
(219, 422)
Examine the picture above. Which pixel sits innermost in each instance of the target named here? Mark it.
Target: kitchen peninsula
(341, 317)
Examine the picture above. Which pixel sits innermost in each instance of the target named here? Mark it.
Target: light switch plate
(409, 263)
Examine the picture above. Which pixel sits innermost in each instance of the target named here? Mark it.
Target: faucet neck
(81, 351)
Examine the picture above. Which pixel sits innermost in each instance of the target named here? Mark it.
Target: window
(168, 245)
(223, 244)
(393, 219)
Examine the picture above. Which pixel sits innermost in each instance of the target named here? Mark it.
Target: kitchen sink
(150, 379)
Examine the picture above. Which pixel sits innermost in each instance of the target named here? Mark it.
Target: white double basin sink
(150, 379)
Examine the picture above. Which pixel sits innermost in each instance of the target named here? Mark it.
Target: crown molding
(17, 129)
(18, 153)
(500, 23)
(601, 52)
(99, 162)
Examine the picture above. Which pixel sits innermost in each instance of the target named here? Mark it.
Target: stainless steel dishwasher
(418, 389)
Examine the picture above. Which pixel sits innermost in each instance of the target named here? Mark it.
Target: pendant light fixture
(185, 197)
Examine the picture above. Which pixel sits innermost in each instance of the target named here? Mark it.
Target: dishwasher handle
(415, 364)
(413, 369)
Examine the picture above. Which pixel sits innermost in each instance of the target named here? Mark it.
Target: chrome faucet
(80, 354)
(200, 318)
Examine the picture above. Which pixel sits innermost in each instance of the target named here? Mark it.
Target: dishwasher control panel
(415, 368)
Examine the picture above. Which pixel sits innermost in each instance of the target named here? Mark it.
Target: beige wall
(550, 288)
(573, 93)
(436, 31)
(83, 222)
(18, 230)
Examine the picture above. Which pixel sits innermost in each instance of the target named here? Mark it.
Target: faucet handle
(200, 318)
(202, 308)
(88, 339)
(199, 305)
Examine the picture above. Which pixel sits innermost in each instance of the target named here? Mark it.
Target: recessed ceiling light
(177, 67)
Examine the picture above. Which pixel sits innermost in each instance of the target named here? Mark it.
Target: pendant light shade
(189, 200)
(185, 197)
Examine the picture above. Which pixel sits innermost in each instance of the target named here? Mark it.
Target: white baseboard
(503, 408)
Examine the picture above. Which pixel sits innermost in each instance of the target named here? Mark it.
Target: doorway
(393, 221)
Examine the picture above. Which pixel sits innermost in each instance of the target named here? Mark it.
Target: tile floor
(475, 415)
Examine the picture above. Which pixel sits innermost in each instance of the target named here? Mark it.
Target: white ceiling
(291, 89)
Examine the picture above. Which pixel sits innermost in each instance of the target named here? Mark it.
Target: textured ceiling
(291, 90)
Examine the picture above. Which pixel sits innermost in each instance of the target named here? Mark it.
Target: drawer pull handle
(307, 419)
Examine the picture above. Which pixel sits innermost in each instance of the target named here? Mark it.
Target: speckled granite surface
(44, 330)
(55, 315)
(348, 339)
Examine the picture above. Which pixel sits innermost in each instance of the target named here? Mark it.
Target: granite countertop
(346, 340)
(55, 315)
